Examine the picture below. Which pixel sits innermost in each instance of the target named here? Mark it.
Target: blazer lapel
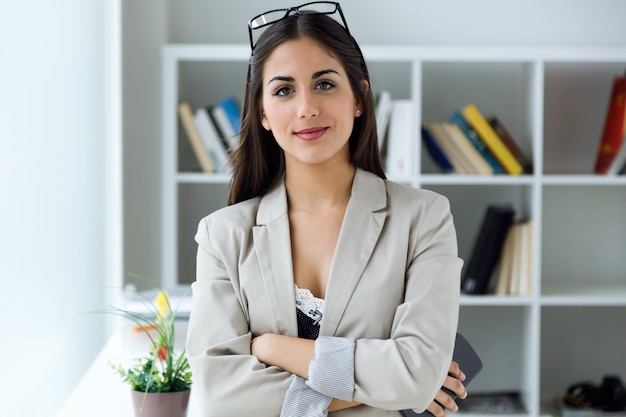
(362, 224)
(272, 242)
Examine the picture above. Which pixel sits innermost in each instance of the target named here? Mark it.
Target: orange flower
(162, 352)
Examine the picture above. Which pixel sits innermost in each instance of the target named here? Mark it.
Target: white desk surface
(101, 392)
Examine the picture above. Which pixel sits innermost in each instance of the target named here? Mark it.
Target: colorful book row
(470, 143)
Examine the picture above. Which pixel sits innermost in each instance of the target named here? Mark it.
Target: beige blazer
(394, 286)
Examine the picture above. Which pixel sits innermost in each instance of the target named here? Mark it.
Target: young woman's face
(308, 103)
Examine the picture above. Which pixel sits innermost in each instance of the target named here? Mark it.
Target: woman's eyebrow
(285, 78)
(323, 72)
(281, 78)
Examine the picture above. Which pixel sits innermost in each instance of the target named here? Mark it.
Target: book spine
(613, 131)
(510, 143)
(224, 126)
(444, 142)
(475, 160)
(187, 119)
(487, 249)
(399, 159)
(435, 151)
(211, 139)
(383, 115)
(231, 107)
(491, 139)
(457, 119)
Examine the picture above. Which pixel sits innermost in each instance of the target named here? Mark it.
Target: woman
(322, 287)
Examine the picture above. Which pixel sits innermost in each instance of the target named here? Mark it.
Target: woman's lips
(311, 133)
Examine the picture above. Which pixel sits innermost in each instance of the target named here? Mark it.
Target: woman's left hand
(443, 401)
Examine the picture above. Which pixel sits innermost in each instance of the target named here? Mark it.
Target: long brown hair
(257, 161)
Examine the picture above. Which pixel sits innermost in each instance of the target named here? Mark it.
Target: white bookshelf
(553, 101)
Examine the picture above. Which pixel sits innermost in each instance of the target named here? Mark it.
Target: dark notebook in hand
(468, 361)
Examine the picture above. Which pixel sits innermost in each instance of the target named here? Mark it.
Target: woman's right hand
(443, 401)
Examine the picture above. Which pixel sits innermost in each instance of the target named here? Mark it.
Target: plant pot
(160, 404)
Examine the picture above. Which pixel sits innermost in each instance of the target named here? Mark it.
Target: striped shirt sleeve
(302, 401)
(331, 372)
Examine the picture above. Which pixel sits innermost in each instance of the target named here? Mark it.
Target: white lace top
(310, 310)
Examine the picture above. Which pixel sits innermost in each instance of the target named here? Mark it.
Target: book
(211, 139)
(476, 163)
(485, 254)
(458, 162)
(399, 158)
(525, 266)
(231, 107)
(614, 127)
(384, 107)
(435, 151)
(480, 146)
(505, 267)
(224, 126)
(486, 133)
(514, 270)
(498, 127)
(185, 113)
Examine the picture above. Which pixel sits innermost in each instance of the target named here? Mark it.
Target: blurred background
(80, 146)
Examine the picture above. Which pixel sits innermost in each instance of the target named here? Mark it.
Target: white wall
(424, 22)
(144, 31)
(52, 198)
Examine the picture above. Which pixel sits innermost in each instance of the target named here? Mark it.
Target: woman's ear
(265, 122)
(358, 109)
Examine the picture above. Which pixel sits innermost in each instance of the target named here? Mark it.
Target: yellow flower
(163, 305)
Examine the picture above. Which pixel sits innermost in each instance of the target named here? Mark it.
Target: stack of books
(471, 143)
(501, 259)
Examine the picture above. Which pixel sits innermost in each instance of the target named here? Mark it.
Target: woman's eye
(325, 85)
(283, 91)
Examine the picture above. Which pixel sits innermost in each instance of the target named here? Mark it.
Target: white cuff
(331, 372)
(302, 401)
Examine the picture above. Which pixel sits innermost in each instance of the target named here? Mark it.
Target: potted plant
(160, 381)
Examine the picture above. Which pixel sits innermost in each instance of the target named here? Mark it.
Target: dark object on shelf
(610, 396)
(487, 249)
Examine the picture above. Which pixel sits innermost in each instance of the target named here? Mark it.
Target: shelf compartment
(196, 84)
(502, 337)
(576, 97)
(504, 89)
(468, 203)
(580, 344)
(583, 240)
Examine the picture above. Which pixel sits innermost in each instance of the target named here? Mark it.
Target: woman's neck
(316, 187)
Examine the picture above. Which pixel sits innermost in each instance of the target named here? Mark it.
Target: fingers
(454, 385)
(455, 371)
(436, 410)
(443, 399)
